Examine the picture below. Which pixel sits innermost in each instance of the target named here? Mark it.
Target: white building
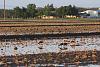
(90, 13)
(98, 12)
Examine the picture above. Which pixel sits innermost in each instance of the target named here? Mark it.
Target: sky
(57, 3)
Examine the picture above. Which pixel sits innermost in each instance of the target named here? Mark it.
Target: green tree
(24, 13)
(9, 13)
(75, 10)
(39, 12)
(31, 9)
(61, 12)
(69, 10)
(17, 11)
(48, 10)
(1, 13)
(72, 10)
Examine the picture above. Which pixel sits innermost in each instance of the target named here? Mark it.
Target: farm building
(89, 14)
(98, 12)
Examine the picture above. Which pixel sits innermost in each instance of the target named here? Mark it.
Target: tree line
(32, 11)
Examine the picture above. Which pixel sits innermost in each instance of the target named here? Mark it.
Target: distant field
(48, 27)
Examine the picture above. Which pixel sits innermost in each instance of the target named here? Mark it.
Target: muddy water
(10, 47)
(36, 46)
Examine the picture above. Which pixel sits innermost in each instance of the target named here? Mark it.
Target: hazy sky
(57, 3)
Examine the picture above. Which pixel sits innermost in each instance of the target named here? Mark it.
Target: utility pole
(4, 9)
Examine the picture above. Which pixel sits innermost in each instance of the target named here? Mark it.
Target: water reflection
(49, 45)
(83, 49)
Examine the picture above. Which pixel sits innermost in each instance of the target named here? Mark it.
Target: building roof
(98, 11)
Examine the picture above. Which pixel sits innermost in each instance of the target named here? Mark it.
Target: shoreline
(48, 36)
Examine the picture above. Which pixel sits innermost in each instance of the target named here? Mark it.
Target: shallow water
(90, 66)
(49, 45)
(7, 48)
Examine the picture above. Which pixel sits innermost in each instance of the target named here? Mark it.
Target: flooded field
(56, 52)
(49, 45)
